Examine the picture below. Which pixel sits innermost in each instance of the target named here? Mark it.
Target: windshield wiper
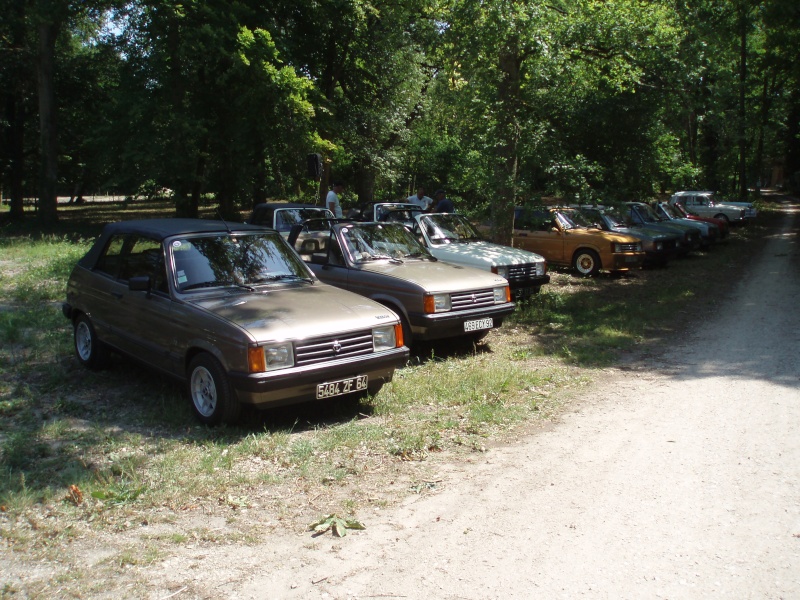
(216, 283)
(279, 277)
(381, 257)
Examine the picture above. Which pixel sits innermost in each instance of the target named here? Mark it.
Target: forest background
(497, 101)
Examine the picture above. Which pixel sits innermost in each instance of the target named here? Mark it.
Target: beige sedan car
(230, 310)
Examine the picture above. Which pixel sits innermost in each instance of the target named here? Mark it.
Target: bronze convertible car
(235, 313)
(386, 262)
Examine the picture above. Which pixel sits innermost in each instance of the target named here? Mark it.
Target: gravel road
(675, 479)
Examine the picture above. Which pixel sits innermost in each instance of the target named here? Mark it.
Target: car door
(334, 268)
(536, 231)
(146, 327)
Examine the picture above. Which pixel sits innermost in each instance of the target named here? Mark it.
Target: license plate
(343, 386)
(478, 324)
(631, 259)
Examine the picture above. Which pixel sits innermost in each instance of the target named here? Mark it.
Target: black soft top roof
(163, 228)
(160, 229)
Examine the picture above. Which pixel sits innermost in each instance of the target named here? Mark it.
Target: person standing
(420, 199)
(332, 200)
(443, 203)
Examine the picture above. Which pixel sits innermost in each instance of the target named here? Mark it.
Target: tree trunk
(48, 180)
(507, 133)
(15, 111)
(742, 104)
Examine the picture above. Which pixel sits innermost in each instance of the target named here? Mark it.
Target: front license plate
(478, 324)
(631, 259)
(343, 386)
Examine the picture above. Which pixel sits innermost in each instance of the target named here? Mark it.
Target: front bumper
(626, 260)
(523, 288)
(451, 324)
(295, 385)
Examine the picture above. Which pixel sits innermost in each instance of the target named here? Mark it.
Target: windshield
(669, 210)
(219, 260)
(445, 228)
(395, 214)
(681, 209)
(614, 218)
(571, 219)
(381, 241)
(647, 213)
(285, 218)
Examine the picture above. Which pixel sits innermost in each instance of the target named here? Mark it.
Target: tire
(723, 217)
(213, 399)
(91, 352)
(586, 263)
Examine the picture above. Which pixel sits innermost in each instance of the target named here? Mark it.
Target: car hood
(483, 255)
(297, 312)
(436, 276)
(643, 233)
(701, 225)
(598, 235)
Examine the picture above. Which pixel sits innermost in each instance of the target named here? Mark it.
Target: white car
(452, 238)
(703, 204)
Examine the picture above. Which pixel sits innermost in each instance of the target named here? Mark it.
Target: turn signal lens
(255, 359)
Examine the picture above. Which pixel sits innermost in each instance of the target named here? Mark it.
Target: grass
(84, 452)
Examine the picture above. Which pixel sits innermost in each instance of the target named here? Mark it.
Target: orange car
(564, 238)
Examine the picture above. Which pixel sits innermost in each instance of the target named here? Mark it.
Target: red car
(724, 227)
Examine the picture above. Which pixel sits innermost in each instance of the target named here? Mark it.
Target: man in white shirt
(420, 199)
(332, 199)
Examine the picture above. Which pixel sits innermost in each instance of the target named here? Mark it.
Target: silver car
(232, 311)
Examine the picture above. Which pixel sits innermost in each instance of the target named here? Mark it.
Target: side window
(541, 221)
(145, 258)
(110, 260)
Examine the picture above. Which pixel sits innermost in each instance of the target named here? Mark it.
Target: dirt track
(676, 482)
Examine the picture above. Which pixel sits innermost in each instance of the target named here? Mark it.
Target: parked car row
(296, 305)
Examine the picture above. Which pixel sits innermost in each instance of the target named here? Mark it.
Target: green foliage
(337, 525)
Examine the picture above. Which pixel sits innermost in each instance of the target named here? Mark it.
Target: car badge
(474, 299)
(337, 347)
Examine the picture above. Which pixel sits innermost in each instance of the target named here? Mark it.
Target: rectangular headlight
(500, 270)
(384, 338)
(279, 356)
(437, 303)
(502, 295)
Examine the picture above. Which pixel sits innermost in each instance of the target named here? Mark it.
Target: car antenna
(219, 216)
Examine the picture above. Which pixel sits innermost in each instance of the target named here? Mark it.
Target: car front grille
(333, 347)
(526, 272)
(633, 247)
(470, 300)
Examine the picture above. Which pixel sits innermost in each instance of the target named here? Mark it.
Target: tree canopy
(499, 102)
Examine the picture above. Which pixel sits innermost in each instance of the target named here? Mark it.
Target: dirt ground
(677, 476)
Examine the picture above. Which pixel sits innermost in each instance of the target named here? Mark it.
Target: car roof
(163, 228)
